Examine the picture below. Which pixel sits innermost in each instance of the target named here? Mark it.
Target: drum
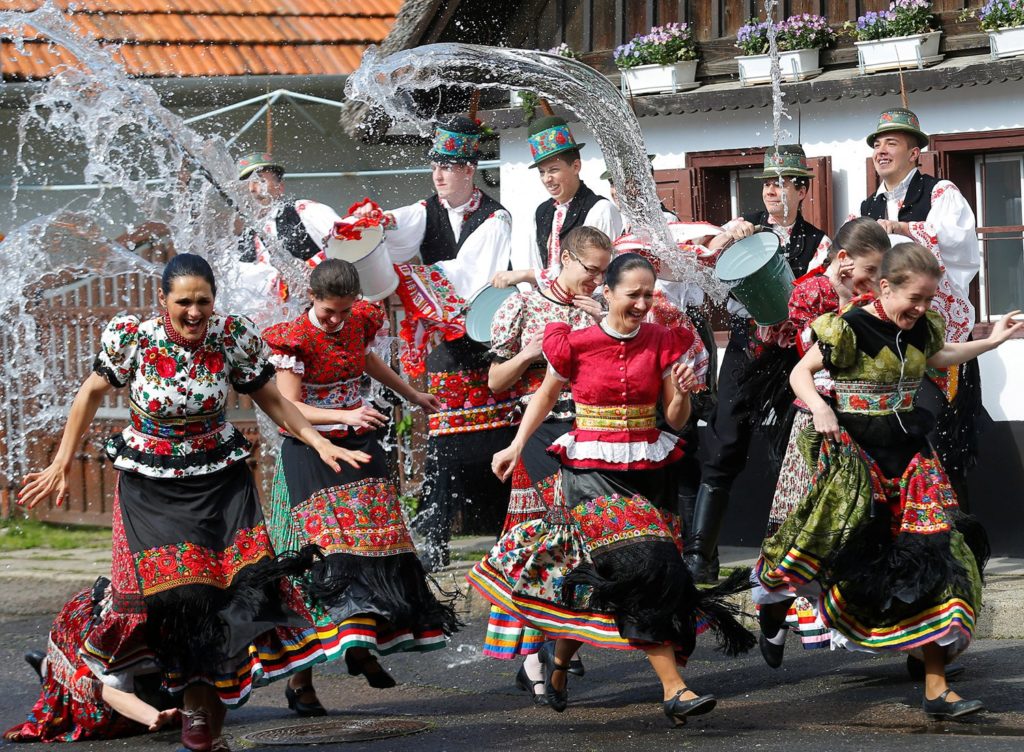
(759, 275)
(365, 250)
(481, 311)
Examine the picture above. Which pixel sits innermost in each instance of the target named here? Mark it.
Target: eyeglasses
(592, 271)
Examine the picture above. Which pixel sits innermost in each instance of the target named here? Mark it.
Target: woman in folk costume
(852, 268)
(518, 361)
(73, 705)
(370, 584)
(879, 529)
(198, 592)
(603, 566)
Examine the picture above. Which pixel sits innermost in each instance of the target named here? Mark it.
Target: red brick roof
(163, 38)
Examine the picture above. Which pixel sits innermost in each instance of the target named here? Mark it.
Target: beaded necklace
(560, 294)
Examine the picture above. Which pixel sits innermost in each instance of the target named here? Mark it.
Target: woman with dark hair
(879, 529)
(197, 591)
(370, 584)
(604, 565)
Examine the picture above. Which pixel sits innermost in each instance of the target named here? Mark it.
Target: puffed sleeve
(936, 339)
(507, 330)
(836, 339)
(285, 347)
(558, 350)
(675, 344)
(373, 318)
(248, 367)
(119, 346)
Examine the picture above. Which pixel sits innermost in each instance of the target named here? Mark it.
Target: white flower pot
(913, 51)
(796, 65)
(648, 79)
(1007, 42)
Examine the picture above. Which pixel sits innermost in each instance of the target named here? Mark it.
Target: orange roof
(213, 37)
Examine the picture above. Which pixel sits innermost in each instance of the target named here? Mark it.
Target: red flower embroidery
(478, 396)
(449, 144)
(194, 560)
(214, 362)
(378, 515)
(163, 447)
(346, 518)
(147, 571)
(153, 405)
(560, 138)
(166, 366)
(167, 564)
(859, 403)
(314, 525)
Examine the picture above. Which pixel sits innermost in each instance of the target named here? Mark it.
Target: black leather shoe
(376, 676)
(677, 710)
(35, 658)
(915, 667)
(940, 708)
(557, 699)
(525, 683)
(771, 652)
(303, 709)
(576, 667)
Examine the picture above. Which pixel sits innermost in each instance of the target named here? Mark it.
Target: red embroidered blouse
(616, 383)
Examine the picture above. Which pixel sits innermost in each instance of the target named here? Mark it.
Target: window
(999, 185)
(745, 191)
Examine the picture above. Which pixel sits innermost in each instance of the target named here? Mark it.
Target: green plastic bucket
(760, 277)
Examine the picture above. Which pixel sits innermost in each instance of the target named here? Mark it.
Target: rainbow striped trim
(508, 637)
(942, 619)
(796, 568)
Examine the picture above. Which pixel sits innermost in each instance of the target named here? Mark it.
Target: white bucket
(377, 276)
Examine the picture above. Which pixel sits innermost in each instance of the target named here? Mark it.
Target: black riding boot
(708, 515)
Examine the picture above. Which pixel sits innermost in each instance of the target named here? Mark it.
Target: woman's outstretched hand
(1005, 328)
(333, 455)
(503, 462)
(38, 486)
(683, 378)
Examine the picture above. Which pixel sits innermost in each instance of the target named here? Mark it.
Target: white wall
(832, 128)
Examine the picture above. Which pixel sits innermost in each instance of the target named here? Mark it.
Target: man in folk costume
(935, 214)
(463, 237)
(786, 179)
(299, 227)
(556, 157)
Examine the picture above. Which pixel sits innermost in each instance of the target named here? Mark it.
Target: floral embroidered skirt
(604, 566)
(198, 591)
(533, 492)
(70, 707)
(880, 534)
(369, 590)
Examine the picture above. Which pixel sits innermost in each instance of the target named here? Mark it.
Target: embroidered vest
(803, 241)
(584, 200)
(439, 242)
(916, 204)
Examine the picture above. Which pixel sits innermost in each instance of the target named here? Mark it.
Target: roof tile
(214, 37)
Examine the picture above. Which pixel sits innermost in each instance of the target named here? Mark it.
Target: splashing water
(778, 102)
(388, 82)
(151, 168)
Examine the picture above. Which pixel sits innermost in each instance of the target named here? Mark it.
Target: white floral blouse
(177, 392)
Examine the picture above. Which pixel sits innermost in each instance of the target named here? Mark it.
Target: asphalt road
(817, 700)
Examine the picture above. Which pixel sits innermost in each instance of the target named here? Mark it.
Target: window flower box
(895, 53)
(796, 65)
(655, 79)
(1006, 42)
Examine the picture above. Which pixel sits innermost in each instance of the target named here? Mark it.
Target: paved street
(818, 700)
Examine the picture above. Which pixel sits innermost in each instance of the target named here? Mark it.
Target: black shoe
(525, 683)
(677, 710)
(576, 667)
(771, 652)
(915, 667)
(303, 709)
(35, 658)
(940, 708)
(378, 679)
(557, 699)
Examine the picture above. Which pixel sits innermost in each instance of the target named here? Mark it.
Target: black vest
(584, 200)
(439, 239)
(916, 204)
(803, 241)
(290, 232)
